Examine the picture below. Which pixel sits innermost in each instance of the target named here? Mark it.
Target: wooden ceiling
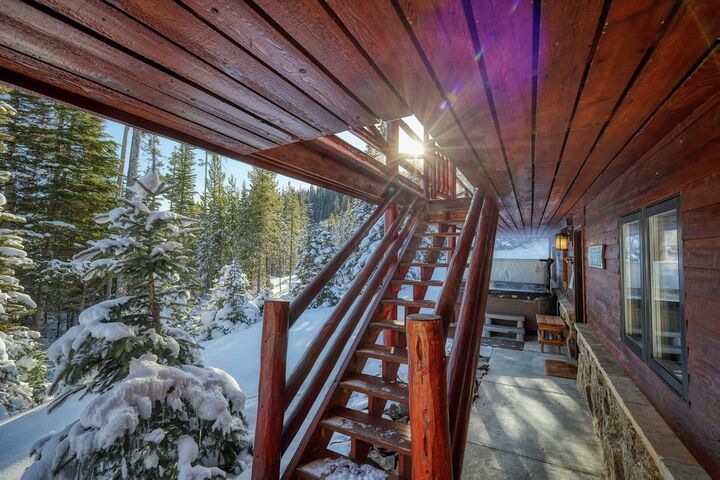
(541, 103)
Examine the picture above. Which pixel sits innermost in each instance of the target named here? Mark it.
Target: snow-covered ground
(237, 353)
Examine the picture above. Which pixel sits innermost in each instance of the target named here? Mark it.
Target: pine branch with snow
(230, 305)
(159, 422)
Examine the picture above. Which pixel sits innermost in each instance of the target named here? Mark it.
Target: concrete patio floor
(526, 424)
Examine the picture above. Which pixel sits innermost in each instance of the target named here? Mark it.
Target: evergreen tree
(181, 177)
(230, 305)
(14, 303)
(319, 249)
(212, 245)
(294, 221)
(260, 234)
(151, 147)
(63, 171)
(159, 413)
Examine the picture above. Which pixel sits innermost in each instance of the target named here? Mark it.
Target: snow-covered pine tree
(15, 395)
(318, 250)
(14, 303)
(230, 305)
(151, 146)
(24, 348)
(159, 413)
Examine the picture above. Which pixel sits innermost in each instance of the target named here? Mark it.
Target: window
(651, 289)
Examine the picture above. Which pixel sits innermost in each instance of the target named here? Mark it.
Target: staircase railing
(273, 434)
(439, 414)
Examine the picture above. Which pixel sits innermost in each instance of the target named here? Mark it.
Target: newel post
(271, 391)
(429, 423)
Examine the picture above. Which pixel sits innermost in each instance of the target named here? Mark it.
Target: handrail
(448, 296)
(463, 360)
(296, 418)
(300, 303)
(306, 363)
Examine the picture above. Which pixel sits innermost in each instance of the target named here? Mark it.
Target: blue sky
(238, 169)
(232, 167)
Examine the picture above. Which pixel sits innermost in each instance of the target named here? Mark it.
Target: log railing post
(271, 390)
(429, 422)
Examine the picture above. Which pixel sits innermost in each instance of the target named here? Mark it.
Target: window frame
(644, 350)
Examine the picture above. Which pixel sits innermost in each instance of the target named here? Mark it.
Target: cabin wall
(686, 162)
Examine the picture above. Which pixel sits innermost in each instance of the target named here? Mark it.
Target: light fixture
(561, 242)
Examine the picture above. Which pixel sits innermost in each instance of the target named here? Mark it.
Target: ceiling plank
(184, 28)
(442, 32)
(505, 34)
(374, 27)
(117, 27)
(567, 33)
(693, 30)
(311, 25)
(630, 29)
(689, 98)
(50, 40)
(250, 30)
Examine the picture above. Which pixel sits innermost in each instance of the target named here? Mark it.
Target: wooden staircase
(382, 340)
(364, 344)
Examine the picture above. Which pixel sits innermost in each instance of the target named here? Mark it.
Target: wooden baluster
(271, 390)
(462, 365)
(429, 423)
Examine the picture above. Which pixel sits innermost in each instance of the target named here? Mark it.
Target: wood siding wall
(685, 162)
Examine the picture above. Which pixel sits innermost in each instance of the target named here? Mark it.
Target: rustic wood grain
(271, 387)
(427, 386)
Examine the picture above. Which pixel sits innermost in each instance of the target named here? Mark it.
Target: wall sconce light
(561, 242)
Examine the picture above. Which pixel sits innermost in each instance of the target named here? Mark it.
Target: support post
(429, 422)
(271, 390)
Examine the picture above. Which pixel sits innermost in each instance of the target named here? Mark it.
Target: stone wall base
(636, 442)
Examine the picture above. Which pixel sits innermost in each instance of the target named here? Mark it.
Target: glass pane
(665, 291)
(632, 281)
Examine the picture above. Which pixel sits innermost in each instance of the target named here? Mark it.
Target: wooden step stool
(550, 331)
(493, 325)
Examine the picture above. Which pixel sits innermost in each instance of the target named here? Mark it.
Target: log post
(429, 423)
(271, 390)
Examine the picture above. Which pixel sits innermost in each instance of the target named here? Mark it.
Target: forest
(114, 264)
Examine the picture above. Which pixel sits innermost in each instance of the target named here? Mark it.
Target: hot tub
(520, 298)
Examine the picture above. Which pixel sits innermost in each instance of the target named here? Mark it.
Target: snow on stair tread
(316, 467)
(424, 264)
(382, 352)
(374, 430)
(376, 387)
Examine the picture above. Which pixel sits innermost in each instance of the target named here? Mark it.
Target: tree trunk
(133, 162)
(121, 162)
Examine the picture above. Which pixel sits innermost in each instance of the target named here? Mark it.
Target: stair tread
(424, 264)
(426, 283)
(376, 387)
(374, 430)
(408, 302)
(438, 234)
(434, 249)
(382, 352)
(397, 325)
(316, 467)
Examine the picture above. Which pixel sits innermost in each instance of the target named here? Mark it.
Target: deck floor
(526, 424)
